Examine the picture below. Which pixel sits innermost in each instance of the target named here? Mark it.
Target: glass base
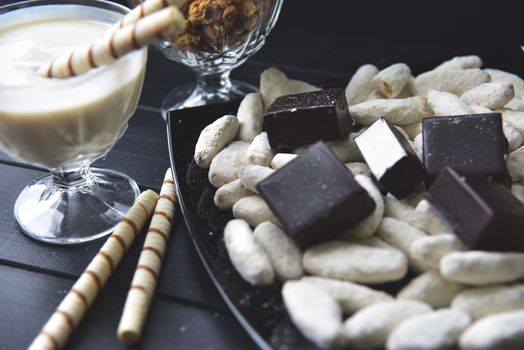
(192, 95)
(76, 214)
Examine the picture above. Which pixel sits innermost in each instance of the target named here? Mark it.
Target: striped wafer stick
(74, 306)
(141, 11)
(165, 23)
(145, 279)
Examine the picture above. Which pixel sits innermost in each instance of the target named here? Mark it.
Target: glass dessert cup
(221, 35)
(66, 124)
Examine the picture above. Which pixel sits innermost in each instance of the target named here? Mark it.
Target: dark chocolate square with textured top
(472, 144)
(302, 119)
(482, 212)
(315, 197)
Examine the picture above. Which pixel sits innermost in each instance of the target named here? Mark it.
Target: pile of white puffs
(459, 297)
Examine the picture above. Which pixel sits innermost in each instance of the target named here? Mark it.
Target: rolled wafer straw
(165, 23)
(142, 10)
(74, 306)
(149, 264)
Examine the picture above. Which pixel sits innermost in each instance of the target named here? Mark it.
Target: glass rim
(109, 5)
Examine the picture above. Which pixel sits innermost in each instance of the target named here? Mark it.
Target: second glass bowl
(221, 35)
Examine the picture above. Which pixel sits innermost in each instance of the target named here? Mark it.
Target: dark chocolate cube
(482, 212)
(302, 119)
(390, 158)
(471, 144)
(315, 196)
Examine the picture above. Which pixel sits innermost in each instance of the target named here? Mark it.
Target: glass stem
(214, 85)
(71, 179)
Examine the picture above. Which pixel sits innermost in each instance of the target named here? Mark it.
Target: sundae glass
(65, 124)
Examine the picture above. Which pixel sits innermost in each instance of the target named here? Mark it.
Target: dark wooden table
(318, 44)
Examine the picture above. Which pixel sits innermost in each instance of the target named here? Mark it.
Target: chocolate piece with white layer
(482, 212)
(315, 196)
(471, 144)
(390, 158)
(302, 119)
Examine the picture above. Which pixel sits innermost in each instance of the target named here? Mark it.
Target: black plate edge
(253, 333)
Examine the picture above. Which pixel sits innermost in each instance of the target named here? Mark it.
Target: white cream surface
(59, 122)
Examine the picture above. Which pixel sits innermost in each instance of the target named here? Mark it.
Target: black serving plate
(259, 309)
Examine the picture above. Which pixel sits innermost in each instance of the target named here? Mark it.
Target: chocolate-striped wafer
(149, 264)
(74, 306)
(141, 11)
(165, 23)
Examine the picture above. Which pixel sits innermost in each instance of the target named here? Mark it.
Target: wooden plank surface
(32, 297)
(182, 276)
